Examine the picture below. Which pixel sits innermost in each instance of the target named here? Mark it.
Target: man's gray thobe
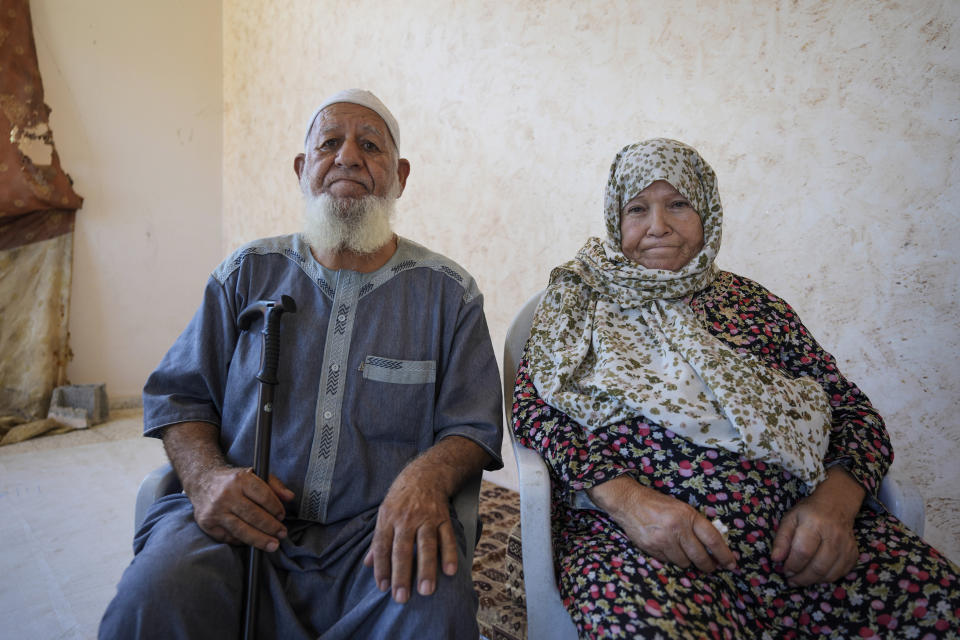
(374, 369)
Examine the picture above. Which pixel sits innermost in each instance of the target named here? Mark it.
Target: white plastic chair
(547, 618)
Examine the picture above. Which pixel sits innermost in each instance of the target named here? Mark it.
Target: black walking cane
(271, 310)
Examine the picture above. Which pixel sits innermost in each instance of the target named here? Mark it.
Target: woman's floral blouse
(613, 590)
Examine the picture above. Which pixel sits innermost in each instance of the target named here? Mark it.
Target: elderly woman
(715, 475)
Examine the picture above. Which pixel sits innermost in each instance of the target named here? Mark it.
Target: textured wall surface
(136, 98)
(833, 128)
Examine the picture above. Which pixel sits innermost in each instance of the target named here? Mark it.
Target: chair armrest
(547, 618)
(902, 498)
(467, 504)
(158, 483)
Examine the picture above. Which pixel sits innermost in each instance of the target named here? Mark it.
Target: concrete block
(79, 405)
(73, 417)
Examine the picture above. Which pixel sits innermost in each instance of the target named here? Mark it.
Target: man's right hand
(233, 505)
(662, 526)
(230, 504)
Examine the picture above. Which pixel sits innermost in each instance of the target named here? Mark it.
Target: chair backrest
(517, 334)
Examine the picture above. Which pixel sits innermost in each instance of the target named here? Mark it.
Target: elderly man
(388, 401)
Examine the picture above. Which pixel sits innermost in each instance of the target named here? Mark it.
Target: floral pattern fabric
(612, 339)
(900, 587)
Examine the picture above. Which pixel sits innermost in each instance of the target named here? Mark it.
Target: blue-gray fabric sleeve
(190, 382)
(468, 397)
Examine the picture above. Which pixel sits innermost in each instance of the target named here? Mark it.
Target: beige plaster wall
(135, 89)
(832, 126)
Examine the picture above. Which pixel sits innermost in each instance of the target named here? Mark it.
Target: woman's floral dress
(900, 588)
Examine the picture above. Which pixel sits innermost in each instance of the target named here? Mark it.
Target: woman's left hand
(815, 541)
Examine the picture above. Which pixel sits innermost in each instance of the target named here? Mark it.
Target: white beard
(360, 225)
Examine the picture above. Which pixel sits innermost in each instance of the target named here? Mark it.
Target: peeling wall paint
(833, 128)
(34, 142)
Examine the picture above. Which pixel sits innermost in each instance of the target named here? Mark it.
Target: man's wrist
(448, 464)
(194, 450)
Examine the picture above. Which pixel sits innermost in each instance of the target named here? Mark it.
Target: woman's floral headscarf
(612, 340)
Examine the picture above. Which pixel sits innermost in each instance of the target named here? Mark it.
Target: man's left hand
(414, 519)
(815, 540)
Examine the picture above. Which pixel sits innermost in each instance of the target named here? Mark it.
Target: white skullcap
(363, 98)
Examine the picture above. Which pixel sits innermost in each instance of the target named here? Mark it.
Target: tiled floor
(66, 522)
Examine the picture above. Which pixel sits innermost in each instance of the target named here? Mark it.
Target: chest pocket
(399, 371)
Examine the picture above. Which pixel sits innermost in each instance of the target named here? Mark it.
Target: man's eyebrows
(369, 128)
(337, 130)
(329, 129)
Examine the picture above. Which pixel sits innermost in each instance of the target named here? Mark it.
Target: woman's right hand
(662, 526)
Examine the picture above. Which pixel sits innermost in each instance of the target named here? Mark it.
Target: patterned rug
(497, 566)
